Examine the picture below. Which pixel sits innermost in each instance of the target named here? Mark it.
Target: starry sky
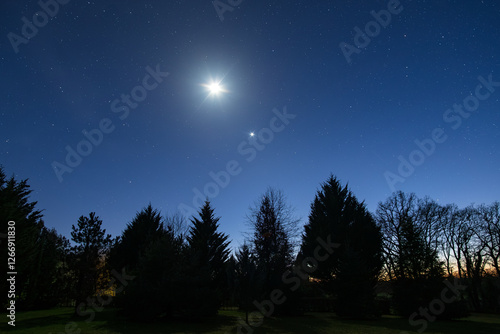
(385, 95)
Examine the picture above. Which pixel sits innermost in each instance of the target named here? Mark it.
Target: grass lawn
(107, 322)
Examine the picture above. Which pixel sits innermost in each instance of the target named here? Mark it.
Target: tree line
(424, 241)
(344, 259)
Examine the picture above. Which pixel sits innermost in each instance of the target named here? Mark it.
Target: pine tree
(273, 233)
(146, 228)
(273, 237)
(246, 277)
(351, 271)
(38, 250)
(208, 247)
(92, 244)
(208, 252)
(159, 287)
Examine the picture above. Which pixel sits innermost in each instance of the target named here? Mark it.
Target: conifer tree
(272, 240)
(351, 271)
(92, 245)
(146, 228)
(39, 250)
(207, 255)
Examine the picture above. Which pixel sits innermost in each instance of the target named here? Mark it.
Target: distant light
(215, 88)
(252, 134)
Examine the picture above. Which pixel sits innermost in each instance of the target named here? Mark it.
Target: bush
(412, 294)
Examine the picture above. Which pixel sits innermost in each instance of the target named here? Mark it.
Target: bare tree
(469, 244)
(272, 219)
(471, 240)
(451, 245)
(391, 215)
(430, 218)
(177, 223)
(489, 233)
(411, 242)
(275, 234)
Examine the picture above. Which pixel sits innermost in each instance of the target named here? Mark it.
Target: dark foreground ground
(60, 321)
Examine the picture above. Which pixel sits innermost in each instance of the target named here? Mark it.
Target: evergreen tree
(246, 278)
(208, 247)
(208, 252)
(351, 271)
(273, 239)
(159, 287)
(146, 228)
(92, 245)
(38, 250)
(46, 288)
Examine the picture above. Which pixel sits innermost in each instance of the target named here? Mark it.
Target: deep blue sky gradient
(351, 119)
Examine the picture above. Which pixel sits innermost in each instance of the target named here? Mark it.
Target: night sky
(125, 84)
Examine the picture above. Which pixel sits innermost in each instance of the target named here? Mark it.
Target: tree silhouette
(273, 239)
(146, 228)
(473, 252)
(38, 250)
(48, 284)
(159, 287)
(351, 271)
(246, 278)
(208, 253)
(489, 233)
(92, 244)
(411, 258)
(208, 247)
(407, 253)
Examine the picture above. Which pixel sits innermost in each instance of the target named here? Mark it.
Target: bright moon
(215, 88)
